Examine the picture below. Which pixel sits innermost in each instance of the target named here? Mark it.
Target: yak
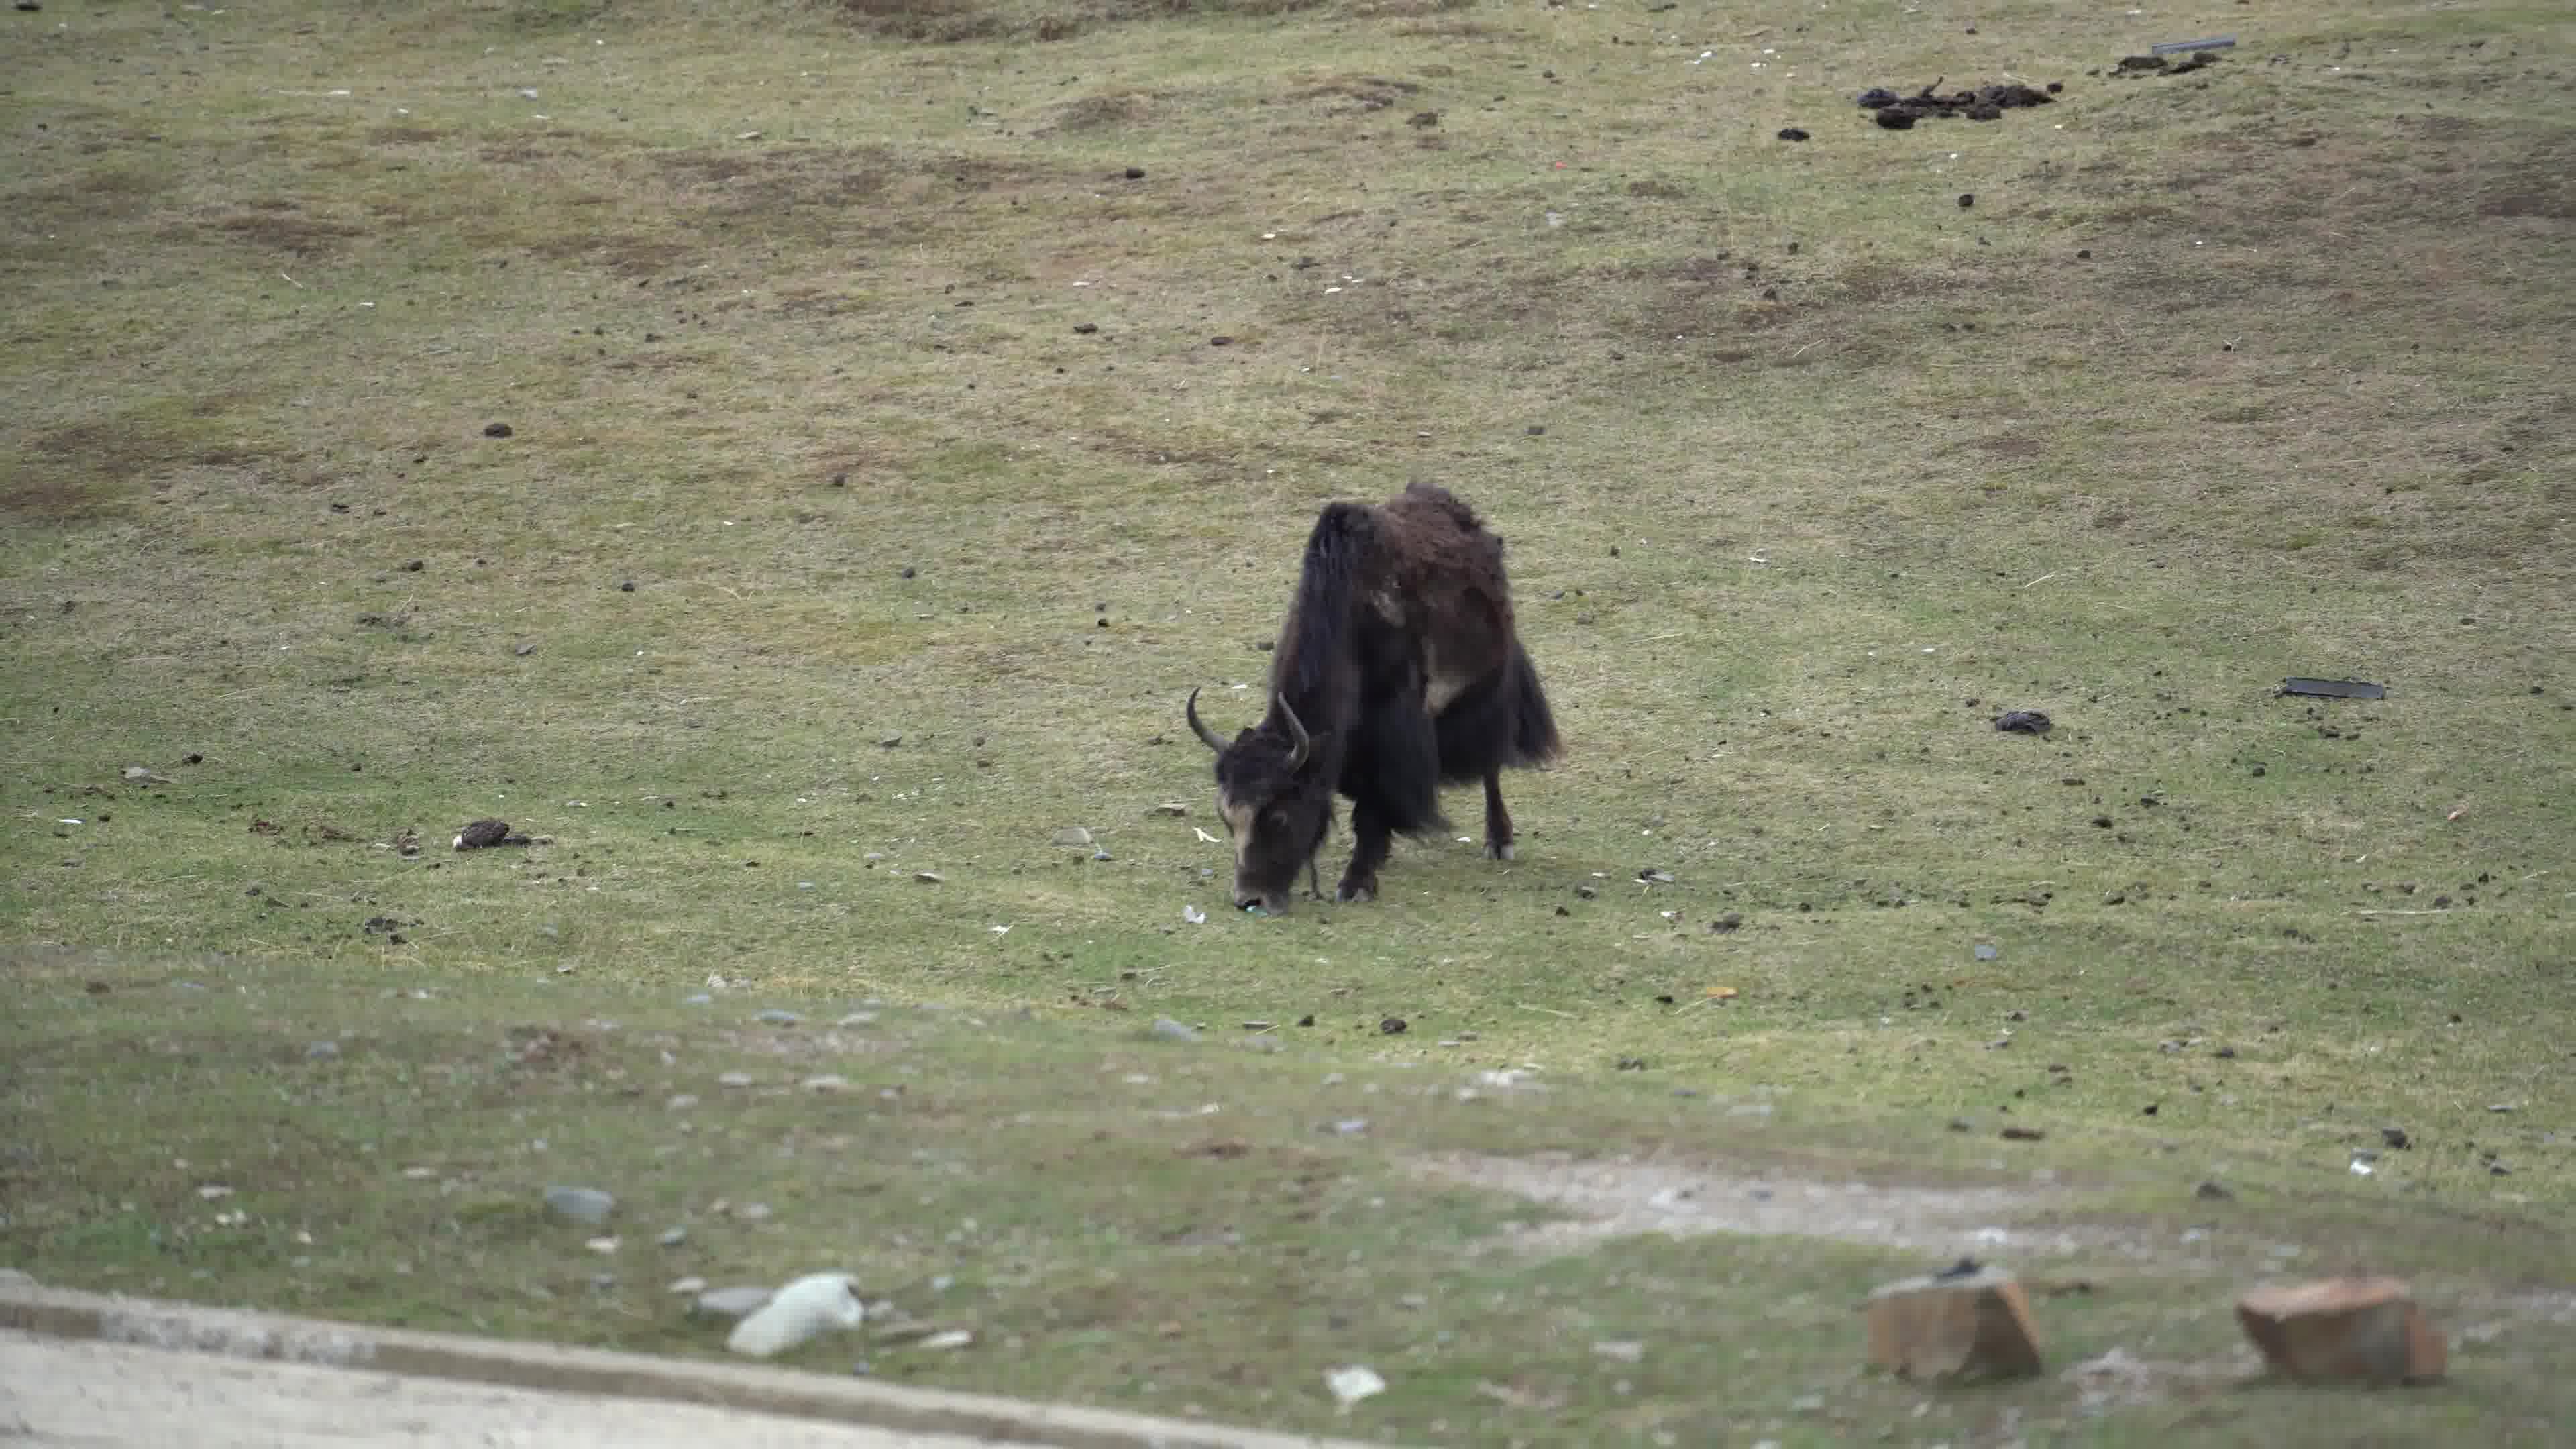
(1398, 670)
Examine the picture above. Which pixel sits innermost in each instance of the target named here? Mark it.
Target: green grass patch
(875, 486)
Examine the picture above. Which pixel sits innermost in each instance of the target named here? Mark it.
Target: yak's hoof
(1355, 892)
(1501, 851)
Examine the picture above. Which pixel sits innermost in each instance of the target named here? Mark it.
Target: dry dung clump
(1985, 103)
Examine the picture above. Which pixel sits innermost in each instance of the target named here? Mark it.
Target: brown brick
(2341, 1330)
(1971, 1325)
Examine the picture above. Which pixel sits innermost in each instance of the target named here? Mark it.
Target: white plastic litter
(802, 1310)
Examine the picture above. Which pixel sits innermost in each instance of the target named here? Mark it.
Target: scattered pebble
(580, 1204)
(674, 1237)
(735, 1079)
(828, 1082)
(1171, 1030)
(729, 1302)
(774, 1016)
(683, 1287)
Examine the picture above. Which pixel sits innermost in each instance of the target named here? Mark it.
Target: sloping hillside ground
(792, 460)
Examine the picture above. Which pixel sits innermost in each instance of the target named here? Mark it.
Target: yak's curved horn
(1199, 726)
(1302, 746)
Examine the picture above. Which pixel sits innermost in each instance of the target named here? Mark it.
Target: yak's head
(1275, 804)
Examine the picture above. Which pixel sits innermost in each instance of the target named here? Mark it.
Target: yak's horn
(1199, 726)
(1302, 745)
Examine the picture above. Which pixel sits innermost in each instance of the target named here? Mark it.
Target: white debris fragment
(799, 1312)
(1353, 1383)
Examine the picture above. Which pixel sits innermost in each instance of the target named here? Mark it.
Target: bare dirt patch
(272, 229)
(1626, 1197)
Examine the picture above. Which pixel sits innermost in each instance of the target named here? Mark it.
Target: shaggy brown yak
(1397, 671)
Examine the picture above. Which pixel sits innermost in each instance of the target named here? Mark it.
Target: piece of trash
(2215, 42)
(2335, 688)
(1353, 1383)
(2023, 722)
(1194, 915)
(801, 1310)
(1204, 837)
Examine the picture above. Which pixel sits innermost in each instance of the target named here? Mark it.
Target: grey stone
(732, 1302)
(586, 1205)
(777, 1017)
(1171, 1030)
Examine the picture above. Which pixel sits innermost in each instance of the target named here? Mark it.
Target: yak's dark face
(1275, 803)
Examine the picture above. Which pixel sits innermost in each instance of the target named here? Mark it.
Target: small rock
(857, 1018)
(1173, 808)
(697, 999)
(2345, 1329)
(752, 1212)
(735, 1079)
(1170, 1030)
(602, 1246)
(1792, 133)
(1967, 199)
(322, 1051)
(1625, 1350)
(2395, 1137)
(828, 1082)
(1347, 1126)
(587, 1205)
(731, 1302)
(1392, 1026)
(1987, 953)
(928, 877)
(674, 1237)
(948, 1338)
(776, 1016)
(683, 1287)
(1073, 835)
(496, 430)
(2211, 1192)
(1953, 1325)
(1135, 173)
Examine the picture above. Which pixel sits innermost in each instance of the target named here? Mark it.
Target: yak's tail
(1534, 737)
(1502, 724)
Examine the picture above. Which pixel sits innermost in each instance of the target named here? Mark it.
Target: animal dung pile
(2135, 67)
(1985, 103)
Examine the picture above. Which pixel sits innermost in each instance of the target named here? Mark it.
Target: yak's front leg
(1498, 821)
(1368, 826)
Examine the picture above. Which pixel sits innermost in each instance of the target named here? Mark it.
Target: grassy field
(773, 452)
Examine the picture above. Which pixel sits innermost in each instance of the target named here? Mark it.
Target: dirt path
(69, 1394)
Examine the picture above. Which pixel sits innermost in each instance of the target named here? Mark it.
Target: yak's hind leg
(1498, 821)
(1369, 829)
